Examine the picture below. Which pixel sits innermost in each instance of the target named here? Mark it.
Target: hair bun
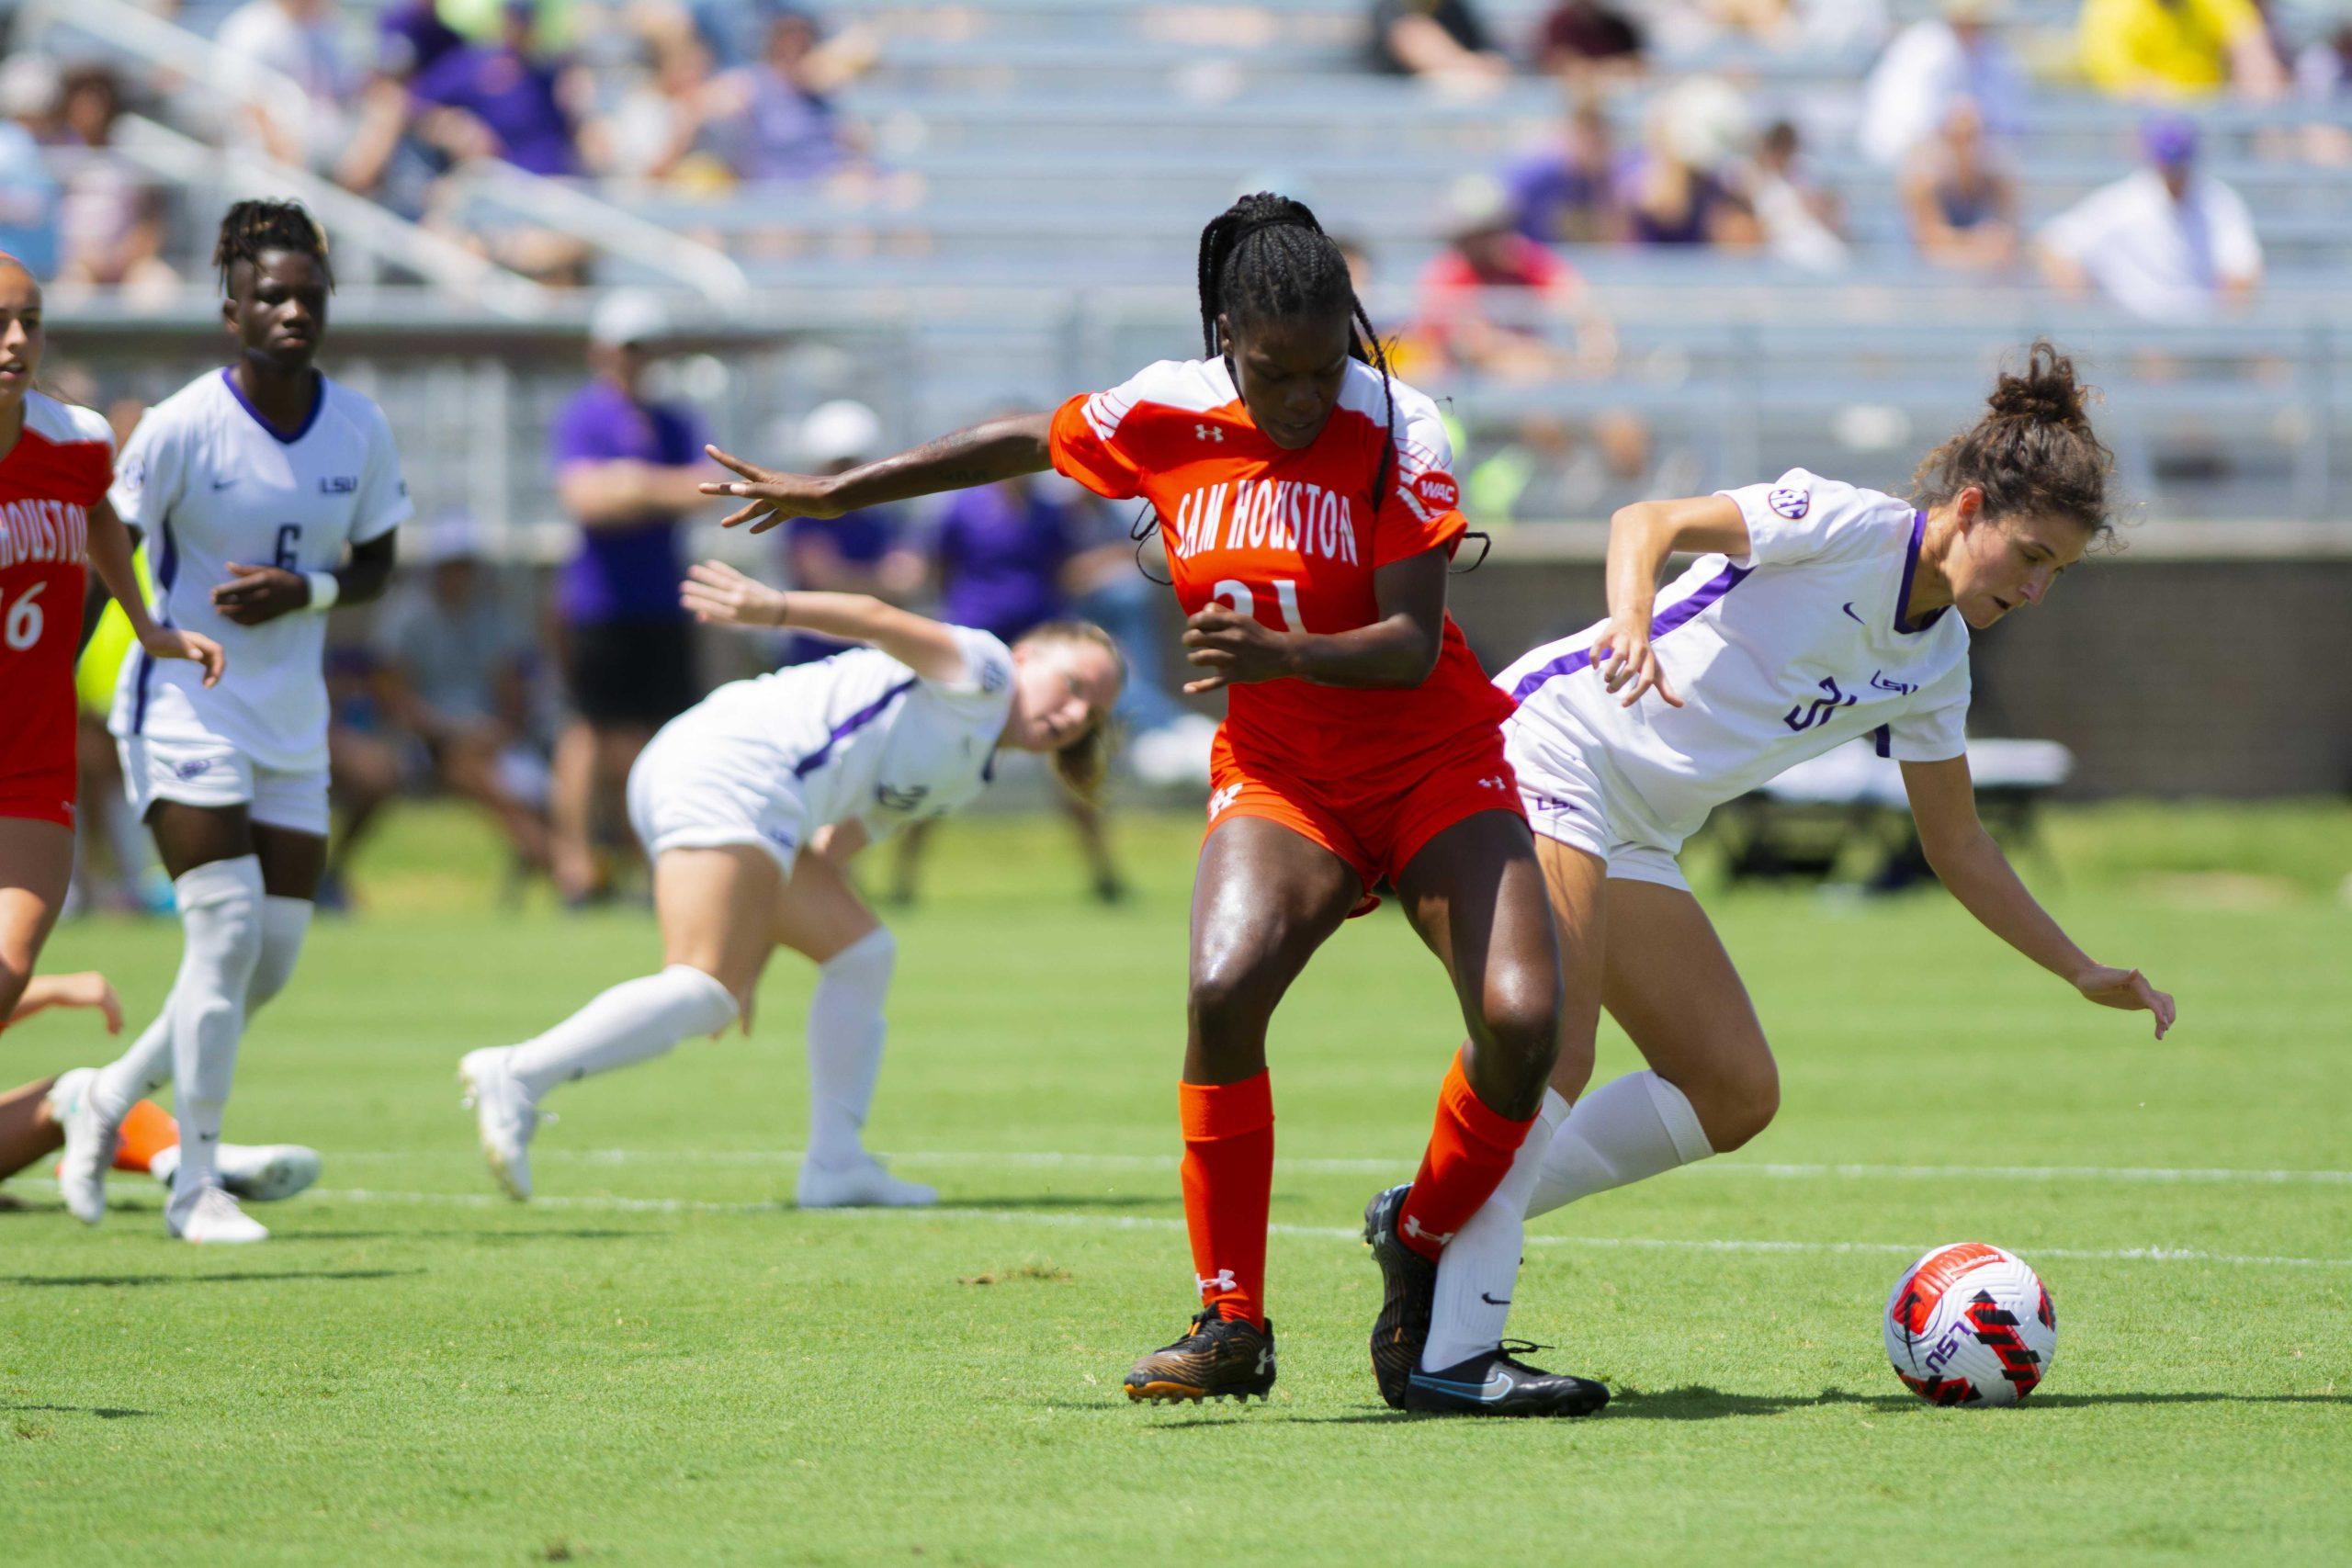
(2044, 393)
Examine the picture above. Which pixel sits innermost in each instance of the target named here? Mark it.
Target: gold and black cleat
(1219, 1358)
(1408, 1295)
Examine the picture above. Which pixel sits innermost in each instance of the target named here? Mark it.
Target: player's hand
(1627, 663)
(718, 595)
(773, 496)
(170, 642)
(87, 989)
(2127, 990)
(1235, 649)
(257, 594)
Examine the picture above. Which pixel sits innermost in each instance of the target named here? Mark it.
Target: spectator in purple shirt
(503, 101)
(858, 552)
(626, 471)
(1005, 555)
(1566, 193)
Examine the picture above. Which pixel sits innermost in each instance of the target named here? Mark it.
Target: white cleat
(89, 1144)
(861, 1185)
(504, 1112)
(212, 1218)
(253, 1173)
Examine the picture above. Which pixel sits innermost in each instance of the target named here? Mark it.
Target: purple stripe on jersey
(849, 726)
(1910, 567)
(1681, 612)
(165, 572)
(318, 402)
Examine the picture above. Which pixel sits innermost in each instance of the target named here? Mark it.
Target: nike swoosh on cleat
(1497, 1385)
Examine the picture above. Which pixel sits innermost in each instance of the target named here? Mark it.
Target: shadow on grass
(103, 1412)
(1698, 1403)
(1066, 1200)
(115, 1281)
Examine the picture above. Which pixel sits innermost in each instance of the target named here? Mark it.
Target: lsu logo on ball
(1791, 504)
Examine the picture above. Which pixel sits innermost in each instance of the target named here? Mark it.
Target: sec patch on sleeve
(1790, 502)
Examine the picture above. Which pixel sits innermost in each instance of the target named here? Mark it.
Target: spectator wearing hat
(626, 471)
(1679, 191)
(2167, 243)
(1932, 64)
(456, 670)
(1495, 302)
(858, 552)
(2178, 49)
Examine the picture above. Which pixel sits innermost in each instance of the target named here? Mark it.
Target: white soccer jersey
(210, 482)
(1779, 656)
(858, 737)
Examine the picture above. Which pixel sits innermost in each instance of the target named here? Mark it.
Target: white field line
(609, 1205)
(2159, 1175)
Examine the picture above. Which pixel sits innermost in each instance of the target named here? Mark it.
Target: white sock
(147, 1065)
(634, 1021)
(1479, 1267)
(283, 923)
(1636, 1126)
(220, 907)
(845, 1033)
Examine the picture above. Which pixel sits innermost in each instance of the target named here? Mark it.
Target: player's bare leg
(36, 867)
(1264, 899)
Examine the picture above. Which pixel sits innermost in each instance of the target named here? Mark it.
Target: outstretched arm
(720, 595)
(1000, 449)
(1971, 865)
(110, 554)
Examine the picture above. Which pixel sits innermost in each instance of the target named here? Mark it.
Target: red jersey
(59, 469)
(1292, 537)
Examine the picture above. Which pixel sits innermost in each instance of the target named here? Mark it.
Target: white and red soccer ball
(1970, 1325)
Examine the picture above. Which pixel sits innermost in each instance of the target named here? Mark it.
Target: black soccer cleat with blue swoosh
(1494, 1384)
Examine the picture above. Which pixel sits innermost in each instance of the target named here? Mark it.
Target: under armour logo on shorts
(1221, 798)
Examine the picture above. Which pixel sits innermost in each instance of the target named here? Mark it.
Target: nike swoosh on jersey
(1849, 610)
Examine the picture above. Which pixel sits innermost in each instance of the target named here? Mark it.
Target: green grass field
(660, 1360)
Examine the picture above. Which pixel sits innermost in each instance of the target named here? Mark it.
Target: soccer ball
(1970, 1325)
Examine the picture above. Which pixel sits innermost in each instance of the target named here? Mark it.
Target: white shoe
(861, 1185)
(257, 1173)
(89, 1144)
(503, 1111)
(211, 1216)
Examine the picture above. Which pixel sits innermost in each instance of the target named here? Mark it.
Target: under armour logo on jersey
(1494, 783)
(1790, 502)
(1208, 433)
(1413, 1228)
(1221, 1281)
(1221, 798)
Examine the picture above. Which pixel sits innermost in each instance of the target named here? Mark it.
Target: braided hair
(1267, 256)
(253, 227)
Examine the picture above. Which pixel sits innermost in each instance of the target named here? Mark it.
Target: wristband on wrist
(325, 589)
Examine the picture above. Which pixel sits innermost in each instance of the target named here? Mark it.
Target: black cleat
(1492, 1383)
(1410, 1290)
(1220, 1357)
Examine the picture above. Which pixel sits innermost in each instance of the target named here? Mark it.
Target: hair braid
(1266, 256)
(251, 228)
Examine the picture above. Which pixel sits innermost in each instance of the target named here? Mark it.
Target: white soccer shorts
(1566, 801)
(214, 773)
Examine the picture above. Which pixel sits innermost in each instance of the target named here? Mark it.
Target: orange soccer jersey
(1292, 539)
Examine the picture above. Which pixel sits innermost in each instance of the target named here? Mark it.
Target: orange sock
(1229, 1174)
(147, 1132)
(1470, 1151)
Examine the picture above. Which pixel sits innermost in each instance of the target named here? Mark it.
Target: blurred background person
(626, 468)
(111, 220)
(865, 551)
(1495, 303)
(1960, 204)
(302, 42)
(1005, 556)
(456, 672)
(2178, 49)
(1802, 220)
(2167, 243)
(1443, 42)
(1679, 189)
(30, 96)
(1565, 193)
(1589, 41)
(1933, 65)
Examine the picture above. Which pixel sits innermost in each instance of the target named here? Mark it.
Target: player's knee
(869, 959)
(1740, 1100)
(1228, 1004)
(1519, 1020)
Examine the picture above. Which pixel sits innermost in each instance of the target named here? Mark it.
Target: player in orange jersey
(56, 462)
(1308, 511)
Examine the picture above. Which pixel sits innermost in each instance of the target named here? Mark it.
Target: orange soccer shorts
(1376, 824)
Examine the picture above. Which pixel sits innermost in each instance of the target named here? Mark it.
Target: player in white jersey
(1821, 613)
(270, 494)
(749, 804)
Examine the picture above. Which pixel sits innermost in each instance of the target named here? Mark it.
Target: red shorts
(43, 794)
(1376, 829)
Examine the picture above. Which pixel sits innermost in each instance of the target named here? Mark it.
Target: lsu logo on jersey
(1791, 503)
